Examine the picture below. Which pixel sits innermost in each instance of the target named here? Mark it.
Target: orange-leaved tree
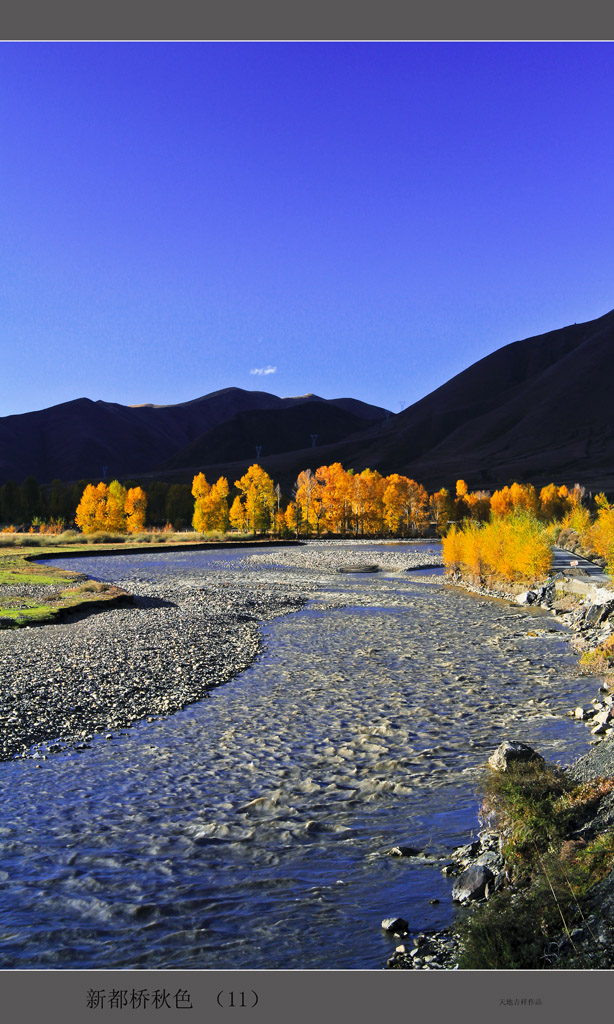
(554, 502)
(406, 506)
(517, 498)
(135, 509)
(366, 492)
(335, 497)
(91, 510)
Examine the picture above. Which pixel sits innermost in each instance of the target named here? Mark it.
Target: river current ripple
(251, 829)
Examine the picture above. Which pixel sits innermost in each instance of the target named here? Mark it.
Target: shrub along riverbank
(541, 918)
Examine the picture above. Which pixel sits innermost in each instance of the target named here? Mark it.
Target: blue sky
(361, 219)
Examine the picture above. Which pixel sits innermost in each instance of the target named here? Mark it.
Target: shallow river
(251, 829)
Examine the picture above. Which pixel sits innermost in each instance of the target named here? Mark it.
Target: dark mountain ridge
(82, 438)
(536, 410)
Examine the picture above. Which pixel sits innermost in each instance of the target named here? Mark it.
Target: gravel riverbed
(100, 673)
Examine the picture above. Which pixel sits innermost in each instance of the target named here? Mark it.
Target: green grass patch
(16, 570)
(36, 613)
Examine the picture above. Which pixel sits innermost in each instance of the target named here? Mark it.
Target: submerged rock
(395, 925)
(358, 568)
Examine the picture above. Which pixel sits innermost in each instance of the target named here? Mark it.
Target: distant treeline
(331, 500)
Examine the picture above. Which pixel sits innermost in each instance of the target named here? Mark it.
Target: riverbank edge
(53, 607)
(441, 949)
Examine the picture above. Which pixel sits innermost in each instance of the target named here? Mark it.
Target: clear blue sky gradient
(368, 218)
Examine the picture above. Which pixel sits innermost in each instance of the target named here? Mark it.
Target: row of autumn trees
(331, 500)
(341, 502)
(336, 501)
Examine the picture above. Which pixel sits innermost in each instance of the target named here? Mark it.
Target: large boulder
(395, 925)
(512, 752)
(471, 885)
(598, 613)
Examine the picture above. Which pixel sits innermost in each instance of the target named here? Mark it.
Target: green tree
(32, 499)
(179, 506)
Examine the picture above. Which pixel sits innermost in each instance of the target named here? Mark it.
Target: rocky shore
(479, 866)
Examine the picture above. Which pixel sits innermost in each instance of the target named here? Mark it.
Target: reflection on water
(251, 829)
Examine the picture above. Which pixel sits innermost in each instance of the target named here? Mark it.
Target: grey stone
(395, 925)
(512, 751)
(599, 730)
(358, 568)
(404, 851)
(471, 885)
(467, 851)
(596, 614)
(490, 859)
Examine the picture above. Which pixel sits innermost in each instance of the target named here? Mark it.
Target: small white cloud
(264, 370)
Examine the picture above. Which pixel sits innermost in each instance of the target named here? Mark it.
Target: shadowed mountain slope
(535, 410)
(273, 431)
(539, 409)
(78, 439)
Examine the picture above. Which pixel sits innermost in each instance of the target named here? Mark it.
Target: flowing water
(251, 829)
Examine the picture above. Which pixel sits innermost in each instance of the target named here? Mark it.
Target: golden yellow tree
(406, 505)
(293, 517)
(210, 504)
(280, 525)
(461, 508)
(214, 507)
(91, 511)
(553, 502)
(524, 498)
(601, 533)
(238, 515)
(517, 498)
(478, 505)
(258, 493)
(136, 509)
(115, 516)
(305, 488)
